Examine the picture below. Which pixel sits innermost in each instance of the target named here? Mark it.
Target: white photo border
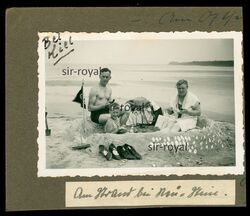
(238, 169)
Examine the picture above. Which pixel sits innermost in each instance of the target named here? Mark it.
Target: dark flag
(79, 98)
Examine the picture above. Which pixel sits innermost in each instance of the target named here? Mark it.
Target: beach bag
(143, 112)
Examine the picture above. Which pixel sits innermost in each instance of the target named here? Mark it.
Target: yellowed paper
(146, 193)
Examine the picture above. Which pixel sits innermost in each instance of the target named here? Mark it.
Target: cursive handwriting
(208, 18)
(141, 192)
(199, 191)
(56, 48)
(163, 192)
(105, 192)
(171, 17)
(79, 194)
(211, 17)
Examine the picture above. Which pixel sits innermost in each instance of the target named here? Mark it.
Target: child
(113, 124)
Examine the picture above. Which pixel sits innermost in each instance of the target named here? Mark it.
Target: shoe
(114, 152)
(104, 151)
(124, 153)
(131, 149)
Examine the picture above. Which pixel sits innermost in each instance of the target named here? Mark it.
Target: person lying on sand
(113, 124)
(100, 97)
(185, 106)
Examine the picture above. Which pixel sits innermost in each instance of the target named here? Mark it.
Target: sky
(149, 51)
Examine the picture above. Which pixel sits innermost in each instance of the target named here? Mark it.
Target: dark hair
(114, 106)
(105, 70)
(182, 81)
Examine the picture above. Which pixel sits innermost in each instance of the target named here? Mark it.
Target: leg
(124, 118)
(103, 118)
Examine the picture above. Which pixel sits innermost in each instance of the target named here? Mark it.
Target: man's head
(114, 109)
(182, 86)
(105, 76)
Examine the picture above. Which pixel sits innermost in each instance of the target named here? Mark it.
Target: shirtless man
(100, 97)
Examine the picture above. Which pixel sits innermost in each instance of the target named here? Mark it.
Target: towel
(186, 122)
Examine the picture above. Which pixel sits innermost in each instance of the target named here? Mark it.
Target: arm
(110, 96)
(92, 100)
(194, 111)
(172, 103)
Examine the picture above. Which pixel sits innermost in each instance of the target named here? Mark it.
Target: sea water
(214, 86)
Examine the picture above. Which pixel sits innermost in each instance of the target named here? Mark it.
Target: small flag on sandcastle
(80, 98)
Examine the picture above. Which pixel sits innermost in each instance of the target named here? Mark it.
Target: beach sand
(215, 146)
(210, 146)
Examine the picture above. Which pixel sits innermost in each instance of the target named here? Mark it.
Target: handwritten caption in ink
(178, 192)
(207, 18)
(56, 48)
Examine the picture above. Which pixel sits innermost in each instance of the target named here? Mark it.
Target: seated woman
(113, 124)
(185, 107)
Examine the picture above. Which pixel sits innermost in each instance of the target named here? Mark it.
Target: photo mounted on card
(140, 103)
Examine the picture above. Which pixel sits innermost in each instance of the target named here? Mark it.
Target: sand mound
(210, 144)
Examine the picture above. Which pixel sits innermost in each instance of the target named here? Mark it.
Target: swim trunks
(96, 114)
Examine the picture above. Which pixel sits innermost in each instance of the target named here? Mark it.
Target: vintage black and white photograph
(140, 103)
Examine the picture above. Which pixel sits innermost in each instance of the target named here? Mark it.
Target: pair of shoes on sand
(128, 152)
(121, 152)
(109, 153)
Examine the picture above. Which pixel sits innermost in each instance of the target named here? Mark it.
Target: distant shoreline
(205, 63)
